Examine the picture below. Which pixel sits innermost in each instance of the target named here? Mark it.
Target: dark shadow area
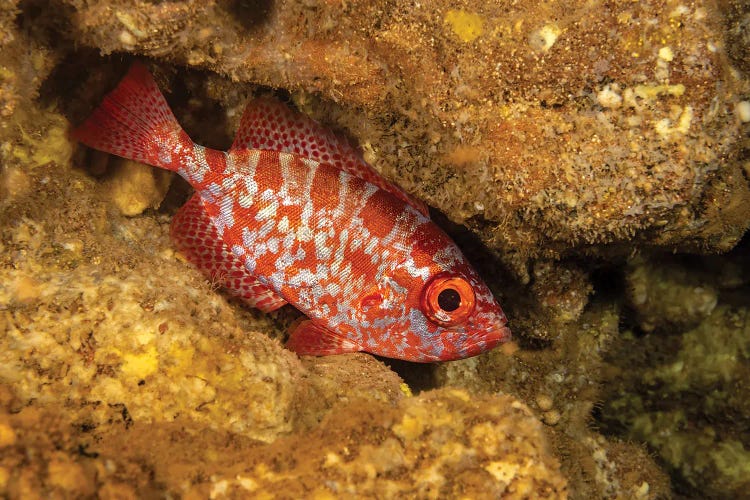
(681, 389)
(737, 19)
(46, 21)
(607, 279)
(484, 260)
(81, 80)
(251, 13)
(418, 376)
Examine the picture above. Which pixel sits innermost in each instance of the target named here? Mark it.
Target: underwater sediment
(570, 149)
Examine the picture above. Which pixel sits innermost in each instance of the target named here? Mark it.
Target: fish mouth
(492, 339)
(499, 336)
(486, 342)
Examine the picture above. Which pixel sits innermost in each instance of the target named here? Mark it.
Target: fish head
(436, 306)
(461, 316)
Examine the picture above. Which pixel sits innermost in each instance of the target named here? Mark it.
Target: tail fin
(134, 121)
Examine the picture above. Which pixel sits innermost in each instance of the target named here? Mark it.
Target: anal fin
(310, 339)
(197, 239)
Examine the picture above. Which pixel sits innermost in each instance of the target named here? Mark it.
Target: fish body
(292, 214)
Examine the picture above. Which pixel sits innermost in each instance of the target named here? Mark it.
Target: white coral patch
(545, 37)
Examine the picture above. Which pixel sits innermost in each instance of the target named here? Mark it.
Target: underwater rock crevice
(630, 153)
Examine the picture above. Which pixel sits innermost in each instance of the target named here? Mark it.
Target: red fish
(292, 214)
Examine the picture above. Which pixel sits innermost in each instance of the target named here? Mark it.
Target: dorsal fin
(271, 125)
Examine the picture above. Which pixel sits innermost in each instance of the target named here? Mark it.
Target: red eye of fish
(448, 300)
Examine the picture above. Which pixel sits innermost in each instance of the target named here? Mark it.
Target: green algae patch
(680, 384)
(720, 346)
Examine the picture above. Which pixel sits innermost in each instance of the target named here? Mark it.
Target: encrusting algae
(563, 139)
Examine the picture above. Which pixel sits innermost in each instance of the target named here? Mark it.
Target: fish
(292, 214)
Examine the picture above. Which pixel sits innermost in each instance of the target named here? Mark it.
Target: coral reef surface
(441, 444)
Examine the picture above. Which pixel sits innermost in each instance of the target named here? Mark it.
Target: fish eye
(448, 299)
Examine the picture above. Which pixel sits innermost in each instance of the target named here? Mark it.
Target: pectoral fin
(310, 339)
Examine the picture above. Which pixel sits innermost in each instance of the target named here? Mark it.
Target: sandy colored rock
(7, 435)
(134, 187)
(67, 475)
(443, 443)
(116, 335)
(440, 444)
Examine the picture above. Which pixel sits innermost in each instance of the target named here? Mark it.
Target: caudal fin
(134, 121)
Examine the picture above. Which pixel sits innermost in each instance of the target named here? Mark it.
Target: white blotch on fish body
(247, 167)
(197, 167)
(225, 218)
(246, 196)
(267, 212)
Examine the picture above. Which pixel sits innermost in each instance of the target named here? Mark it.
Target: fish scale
(292, 214)
(196, 237)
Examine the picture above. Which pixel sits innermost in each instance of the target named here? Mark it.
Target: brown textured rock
(561, 384)
(437, 445)
(154, 347)
(134, 187)
(669, 295)
(682, 389)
